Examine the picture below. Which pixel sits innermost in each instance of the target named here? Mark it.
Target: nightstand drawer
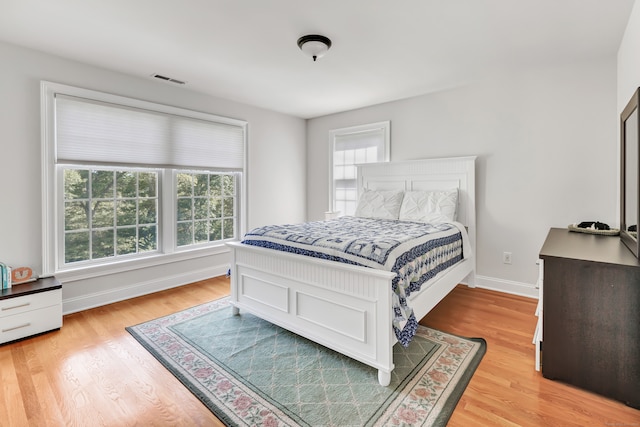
(30, 323)
(30, 302)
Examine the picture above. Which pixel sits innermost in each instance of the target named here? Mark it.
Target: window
(109, 213)
(206, 207)
(349, 147)
(126, 181)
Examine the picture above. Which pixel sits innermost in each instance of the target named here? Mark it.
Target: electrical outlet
(506, 257)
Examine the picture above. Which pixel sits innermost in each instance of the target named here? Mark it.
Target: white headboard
(428, 174)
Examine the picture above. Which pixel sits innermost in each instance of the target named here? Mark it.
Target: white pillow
(429, 206)
(379, 204)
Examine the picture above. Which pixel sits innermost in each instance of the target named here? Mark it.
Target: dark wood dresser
(591, 314)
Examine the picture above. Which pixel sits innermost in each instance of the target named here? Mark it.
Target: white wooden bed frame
(344, 307)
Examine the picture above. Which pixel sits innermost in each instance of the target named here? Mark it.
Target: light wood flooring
(93, 373)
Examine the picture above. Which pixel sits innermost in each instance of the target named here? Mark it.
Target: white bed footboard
(343, 307)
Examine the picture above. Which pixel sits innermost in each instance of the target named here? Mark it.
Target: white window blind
(96, 131)
(362, 140)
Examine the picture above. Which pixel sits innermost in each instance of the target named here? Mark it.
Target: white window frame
(385, 126)
(233, 217)
(53, 207)
(61, 225)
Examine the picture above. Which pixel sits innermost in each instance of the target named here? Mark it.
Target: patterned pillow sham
(379, 204)
(429, 206)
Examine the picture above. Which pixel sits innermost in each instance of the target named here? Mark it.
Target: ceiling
(383, 50)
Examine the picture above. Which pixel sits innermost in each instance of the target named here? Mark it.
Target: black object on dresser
(591, 321)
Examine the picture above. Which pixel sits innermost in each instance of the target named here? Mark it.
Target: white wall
(547, 155)
(546, 140)
(629, 59)
(276, 193)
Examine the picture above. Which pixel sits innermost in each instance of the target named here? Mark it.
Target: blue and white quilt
(416, 252)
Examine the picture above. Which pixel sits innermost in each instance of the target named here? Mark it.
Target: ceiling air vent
(168, 79)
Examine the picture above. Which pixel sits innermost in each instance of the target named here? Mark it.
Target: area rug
(249, 372)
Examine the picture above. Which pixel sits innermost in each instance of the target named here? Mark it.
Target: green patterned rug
(249, 372)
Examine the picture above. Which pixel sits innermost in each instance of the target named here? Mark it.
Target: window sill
(88, 272)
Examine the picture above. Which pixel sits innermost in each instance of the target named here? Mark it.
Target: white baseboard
(97, 299)
(508, 286)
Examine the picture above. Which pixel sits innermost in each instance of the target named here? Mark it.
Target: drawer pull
(16, 306)
(16, 327)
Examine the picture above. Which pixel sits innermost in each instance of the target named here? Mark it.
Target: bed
(348, 307)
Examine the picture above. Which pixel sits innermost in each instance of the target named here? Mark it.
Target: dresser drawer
(30, 302)
(30, 323)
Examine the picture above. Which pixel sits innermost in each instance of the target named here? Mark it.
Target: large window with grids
(109, 213)
(126, 180)
(349, 147)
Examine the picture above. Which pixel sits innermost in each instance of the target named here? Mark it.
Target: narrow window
(349, 147)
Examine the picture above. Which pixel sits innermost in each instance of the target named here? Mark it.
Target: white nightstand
(30, 308)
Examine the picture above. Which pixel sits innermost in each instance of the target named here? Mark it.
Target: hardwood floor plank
(12, 409)
(92, 372)
(506, 389)
(28, 393)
